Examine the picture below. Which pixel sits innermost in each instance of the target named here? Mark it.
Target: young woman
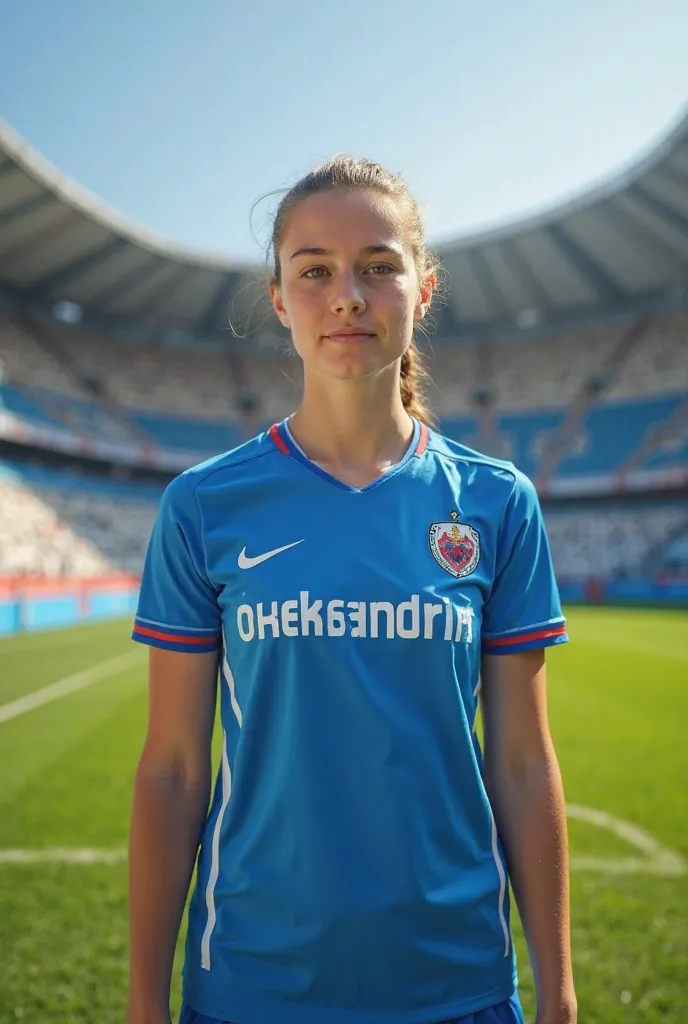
(354, 575)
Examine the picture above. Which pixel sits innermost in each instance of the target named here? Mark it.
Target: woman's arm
(524, 786)
(171, 794)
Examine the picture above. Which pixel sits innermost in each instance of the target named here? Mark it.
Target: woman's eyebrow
(369, 250)
(307, 250)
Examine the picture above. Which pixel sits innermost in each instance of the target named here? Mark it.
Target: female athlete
(354, 579)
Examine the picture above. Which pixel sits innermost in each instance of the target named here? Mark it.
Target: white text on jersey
(409, 620)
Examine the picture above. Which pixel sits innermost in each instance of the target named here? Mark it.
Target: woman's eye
(376, 270)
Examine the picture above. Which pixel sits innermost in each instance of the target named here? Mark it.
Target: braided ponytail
(414, 379)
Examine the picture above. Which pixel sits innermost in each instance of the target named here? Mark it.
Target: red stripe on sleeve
(522, 638)
(277, 439)
(422, 440)
(174, 638)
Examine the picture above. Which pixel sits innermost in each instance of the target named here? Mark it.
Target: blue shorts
(509, 1012)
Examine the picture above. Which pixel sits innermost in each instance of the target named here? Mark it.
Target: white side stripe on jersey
(217, 831)
(502, 886)
(229, 676)
(215, 858)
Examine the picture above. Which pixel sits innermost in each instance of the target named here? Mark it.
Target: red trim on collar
(422, 440)
(279, 442)
(277, 439)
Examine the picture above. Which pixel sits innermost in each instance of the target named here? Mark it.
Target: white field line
(70, 684)
(60, 855)
(657, 859)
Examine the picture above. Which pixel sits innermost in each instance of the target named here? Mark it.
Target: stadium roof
(611, 248)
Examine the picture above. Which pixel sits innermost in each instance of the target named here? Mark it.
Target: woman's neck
(351, 426)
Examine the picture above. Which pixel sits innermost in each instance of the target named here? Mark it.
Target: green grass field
(619, 712)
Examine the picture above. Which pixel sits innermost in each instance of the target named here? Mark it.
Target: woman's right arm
(171, 794)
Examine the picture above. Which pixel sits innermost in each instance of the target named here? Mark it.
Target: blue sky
(181, 114)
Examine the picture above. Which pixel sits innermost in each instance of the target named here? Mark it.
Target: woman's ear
(425, 293)
(278, 304)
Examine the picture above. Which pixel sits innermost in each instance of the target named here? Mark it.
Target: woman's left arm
(524, 786)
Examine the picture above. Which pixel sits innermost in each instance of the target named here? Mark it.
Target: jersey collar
(283, 440)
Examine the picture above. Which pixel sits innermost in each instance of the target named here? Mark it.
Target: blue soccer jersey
(350, 868)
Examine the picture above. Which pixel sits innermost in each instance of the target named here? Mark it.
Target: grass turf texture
(618, 708)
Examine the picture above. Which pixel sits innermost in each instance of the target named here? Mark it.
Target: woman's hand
(565, 1013)
(145, 1017)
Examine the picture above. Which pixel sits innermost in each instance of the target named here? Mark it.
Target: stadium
(562, 346)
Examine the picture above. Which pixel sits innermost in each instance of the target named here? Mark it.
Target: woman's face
(349, 291)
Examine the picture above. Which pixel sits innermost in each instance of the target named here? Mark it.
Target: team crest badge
(455, 546)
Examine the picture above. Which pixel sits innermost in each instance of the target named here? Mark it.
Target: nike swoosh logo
(244, 562)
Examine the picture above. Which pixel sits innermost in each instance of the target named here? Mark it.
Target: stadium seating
(531, 375)
(669, 439)
(530, 433)
(609, 543)
(657, 364)
(520, 401)
(596, 404)
(550, 372)
(178, 399)
(190, 434)
(672, 558)
(610, 433)
(191, 383)
(517, 438)
(24, 361)
(57, 525)
(202, 384)
(24, 403)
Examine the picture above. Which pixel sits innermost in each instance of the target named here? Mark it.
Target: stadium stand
(610, 543)
(543, 374)
(562, 346)
(588, 401)
(176, 398)
(672, 558)
(55, 525)
(658, 364)
(190, 401)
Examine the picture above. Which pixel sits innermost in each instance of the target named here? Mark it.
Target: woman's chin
(352, 366)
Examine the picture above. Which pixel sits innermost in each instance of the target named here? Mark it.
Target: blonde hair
(351, 174)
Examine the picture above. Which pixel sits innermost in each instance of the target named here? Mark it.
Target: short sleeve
(523, 611)
(177, 608)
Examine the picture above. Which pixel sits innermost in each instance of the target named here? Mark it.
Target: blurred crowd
(611, 543)
(551, 372)
(90, 383)
(216, 384)
(54, 532)
(57, 533)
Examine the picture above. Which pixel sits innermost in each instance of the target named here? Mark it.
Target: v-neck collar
(284, 441)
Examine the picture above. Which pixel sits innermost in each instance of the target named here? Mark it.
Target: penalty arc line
(70, 684)
(657, 859)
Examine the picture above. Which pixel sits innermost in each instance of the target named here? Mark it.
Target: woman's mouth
(350, 337)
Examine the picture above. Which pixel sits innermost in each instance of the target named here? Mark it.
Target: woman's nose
(347, 295)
